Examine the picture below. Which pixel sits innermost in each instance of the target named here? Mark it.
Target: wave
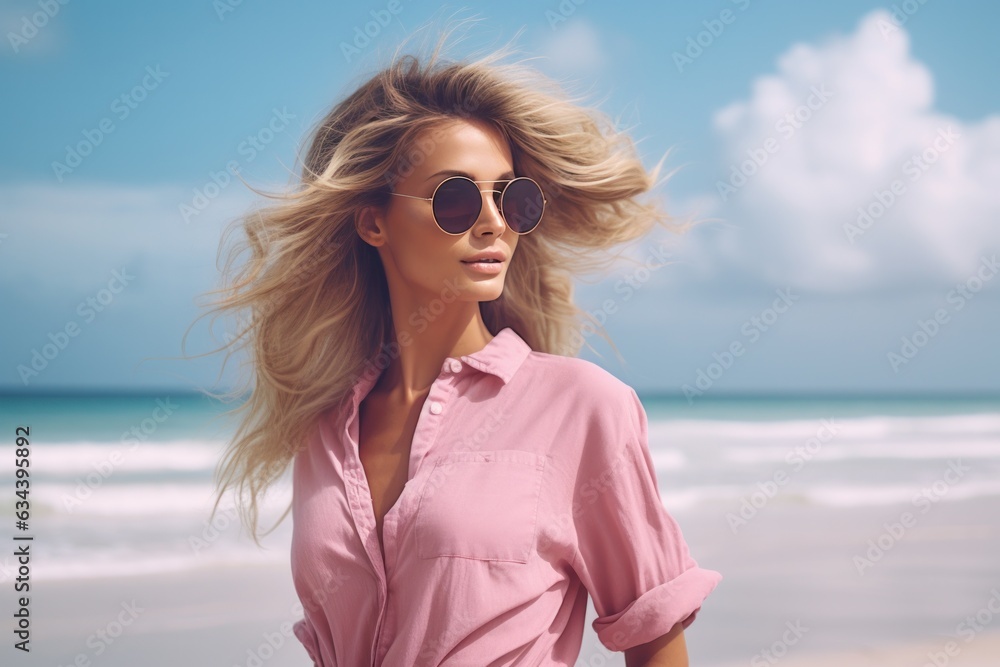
(833, 451)
(143, 499)
(152, 526)
(717, 497)
(868, 428)
(85, 456)
(736, 443)
(124, 562)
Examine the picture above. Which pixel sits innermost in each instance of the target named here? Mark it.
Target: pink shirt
(530, 485)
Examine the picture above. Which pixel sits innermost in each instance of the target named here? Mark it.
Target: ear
(369, 222)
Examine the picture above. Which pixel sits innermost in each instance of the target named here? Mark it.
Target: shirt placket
(428, 426)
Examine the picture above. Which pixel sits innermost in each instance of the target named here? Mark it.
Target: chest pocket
(480, 505)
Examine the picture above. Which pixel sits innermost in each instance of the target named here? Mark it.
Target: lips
(487, 267)
(486, 256)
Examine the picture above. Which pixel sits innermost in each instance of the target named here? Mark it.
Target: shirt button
(435, 408)
(455, 365)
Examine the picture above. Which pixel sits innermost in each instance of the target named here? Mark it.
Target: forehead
(473, 147)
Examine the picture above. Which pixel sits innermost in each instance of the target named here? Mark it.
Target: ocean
(123, 484)
(798, 501)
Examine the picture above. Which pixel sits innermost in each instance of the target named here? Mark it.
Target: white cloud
(63, 245)
(794, 221)
(574, 47)
(30, 30)
(64, 238)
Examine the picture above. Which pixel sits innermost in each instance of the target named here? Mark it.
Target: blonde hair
(312, 299)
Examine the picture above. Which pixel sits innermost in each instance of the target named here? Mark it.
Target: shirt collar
(501, 357)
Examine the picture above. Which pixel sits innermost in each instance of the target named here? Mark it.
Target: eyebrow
(456, 172)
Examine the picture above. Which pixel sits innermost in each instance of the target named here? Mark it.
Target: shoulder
(593, 394)
(585, 376)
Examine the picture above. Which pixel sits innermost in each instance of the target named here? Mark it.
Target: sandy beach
(211, 617)
(983, 651)
(239, 616)
(868, 556)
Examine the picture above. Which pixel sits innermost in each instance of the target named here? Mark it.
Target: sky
(844, 159)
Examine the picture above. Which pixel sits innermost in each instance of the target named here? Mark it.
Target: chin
(485, 289)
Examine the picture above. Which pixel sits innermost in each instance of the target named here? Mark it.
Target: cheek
(422, 252)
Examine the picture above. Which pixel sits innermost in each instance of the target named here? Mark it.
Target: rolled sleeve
(303, 629)
(657, 611)
(631, 554)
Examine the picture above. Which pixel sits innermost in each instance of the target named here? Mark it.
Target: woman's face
(422, 262)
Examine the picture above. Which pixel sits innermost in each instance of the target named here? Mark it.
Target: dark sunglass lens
(457, 204)
(522, 205)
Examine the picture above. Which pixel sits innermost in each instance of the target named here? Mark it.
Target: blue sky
(790, 288)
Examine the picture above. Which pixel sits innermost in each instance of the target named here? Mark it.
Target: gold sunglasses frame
(500, 200)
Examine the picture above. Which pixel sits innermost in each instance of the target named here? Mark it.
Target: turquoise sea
(797, 500)
(123, 483)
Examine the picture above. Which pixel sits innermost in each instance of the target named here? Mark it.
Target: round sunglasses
(458, 201)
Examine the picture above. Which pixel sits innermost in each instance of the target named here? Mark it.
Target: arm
(669, 650)
(631, 554)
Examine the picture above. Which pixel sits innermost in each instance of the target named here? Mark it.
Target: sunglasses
(458, 201)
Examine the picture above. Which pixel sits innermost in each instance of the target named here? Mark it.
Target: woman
(461, 482)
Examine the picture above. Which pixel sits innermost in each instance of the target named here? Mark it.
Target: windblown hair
(312, 299)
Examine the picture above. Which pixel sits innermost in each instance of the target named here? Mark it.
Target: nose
(490, 218)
